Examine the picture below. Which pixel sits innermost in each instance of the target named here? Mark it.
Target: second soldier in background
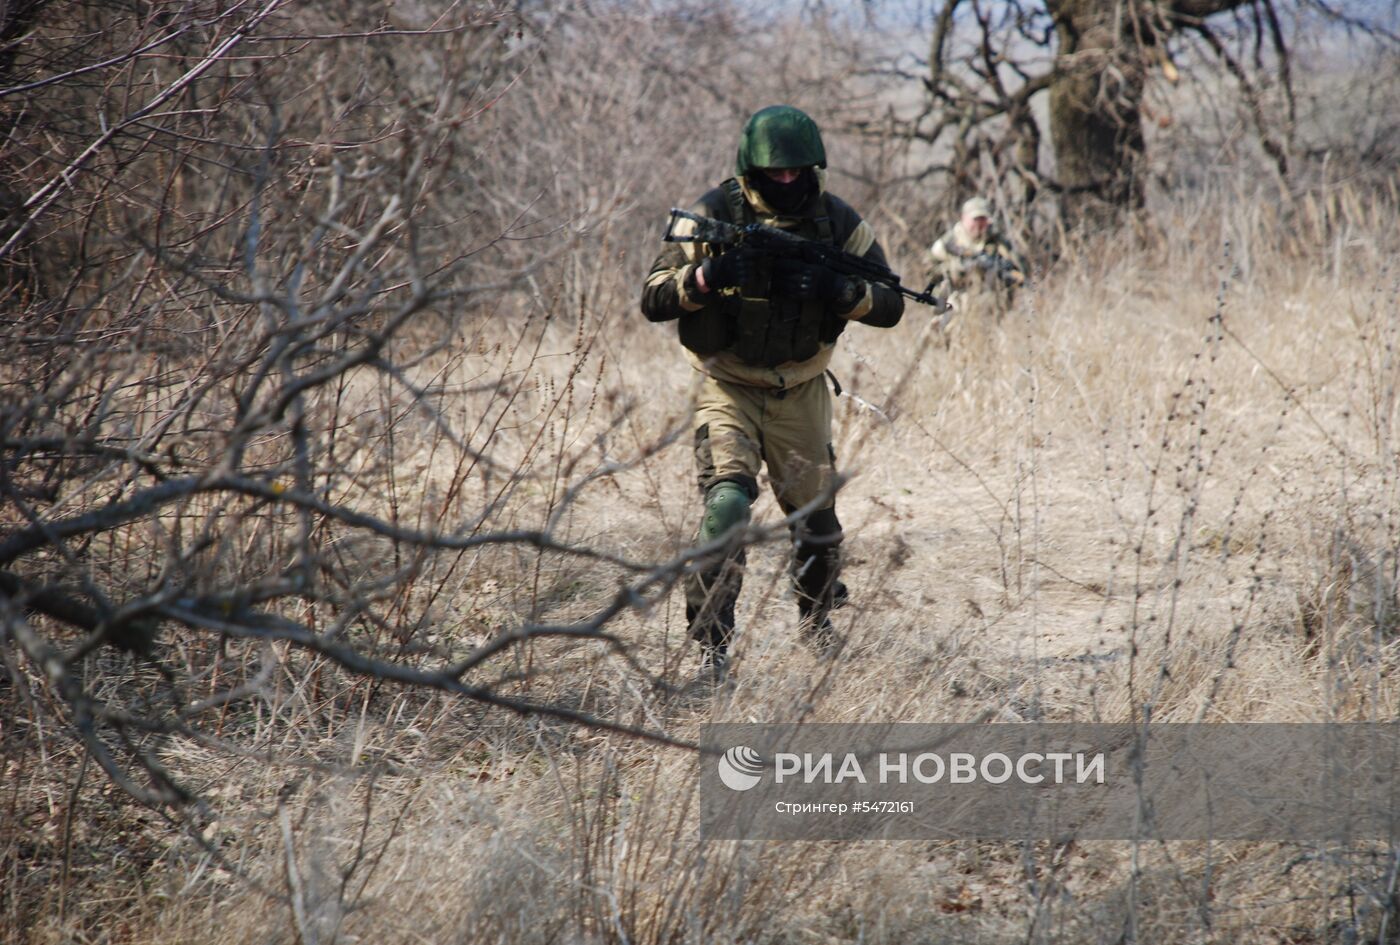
(975, 265)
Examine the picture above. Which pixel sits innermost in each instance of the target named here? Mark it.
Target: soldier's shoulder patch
(860, 240)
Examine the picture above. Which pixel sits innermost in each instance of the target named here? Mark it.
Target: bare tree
(1096, 64)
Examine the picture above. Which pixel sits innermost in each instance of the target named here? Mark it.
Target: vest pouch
(708, 331)
(751, 330)
(807, 324)
(832, 326)
(770, 333)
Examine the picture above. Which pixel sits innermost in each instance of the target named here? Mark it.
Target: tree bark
(1106, 49)
(1096, 112)
(17, 17)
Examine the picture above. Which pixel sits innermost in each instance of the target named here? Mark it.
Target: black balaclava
(784, 198)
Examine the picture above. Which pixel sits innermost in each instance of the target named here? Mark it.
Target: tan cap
(977, 207)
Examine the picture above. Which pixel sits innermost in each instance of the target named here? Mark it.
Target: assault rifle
(994, 264)
(774, 243)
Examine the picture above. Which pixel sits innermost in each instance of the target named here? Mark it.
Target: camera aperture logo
(741, 768)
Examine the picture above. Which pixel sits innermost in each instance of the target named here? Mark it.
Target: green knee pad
(726, 506)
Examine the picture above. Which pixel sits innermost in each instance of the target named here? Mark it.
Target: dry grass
(1162, 483)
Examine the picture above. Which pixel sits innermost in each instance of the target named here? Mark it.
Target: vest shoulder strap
(740, 212)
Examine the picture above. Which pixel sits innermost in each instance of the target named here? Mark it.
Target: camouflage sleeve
(939, 250)
(881, 307)
(670, 290)
(885, 305)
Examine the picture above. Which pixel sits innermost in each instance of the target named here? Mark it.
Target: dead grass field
(1166, 481)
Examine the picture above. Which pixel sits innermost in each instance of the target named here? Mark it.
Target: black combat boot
(816, 629)
(714, 662)
(840, 597)
(816, 565)
(817, 594)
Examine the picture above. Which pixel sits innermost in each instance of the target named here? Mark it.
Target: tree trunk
(1096, 110)
(17, 17)
(1105, 50)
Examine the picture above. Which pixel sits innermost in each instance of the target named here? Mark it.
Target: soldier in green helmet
(762, 332)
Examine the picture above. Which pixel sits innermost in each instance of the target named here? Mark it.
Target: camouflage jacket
(671, 293)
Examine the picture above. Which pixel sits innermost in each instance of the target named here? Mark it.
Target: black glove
(846, 293)
(795, 279)
(733, 268)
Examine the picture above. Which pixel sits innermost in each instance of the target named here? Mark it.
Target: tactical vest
(760, 329)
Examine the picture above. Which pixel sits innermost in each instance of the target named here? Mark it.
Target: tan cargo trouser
(738, 429)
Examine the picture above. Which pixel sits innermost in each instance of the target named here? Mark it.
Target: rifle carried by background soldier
(1002, 268)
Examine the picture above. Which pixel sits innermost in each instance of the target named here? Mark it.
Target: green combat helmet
(780, 136)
